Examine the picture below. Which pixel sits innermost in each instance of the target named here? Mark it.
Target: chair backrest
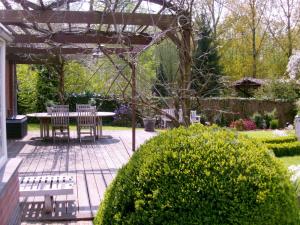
(86, 116)
(170, 112)
(82, 106)
(193, 114)
(60, 116)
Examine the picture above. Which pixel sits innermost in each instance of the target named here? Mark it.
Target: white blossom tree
(293, 66)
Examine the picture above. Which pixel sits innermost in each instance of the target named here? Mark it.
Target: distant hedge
(279, 140)
(285, 149)
(197, 176)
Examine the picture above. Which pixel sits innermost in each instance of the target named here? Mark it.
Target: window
(3, 150)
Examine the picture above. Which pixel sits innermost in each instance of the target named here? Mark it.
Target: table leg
(48, 204)
(41, 128)
(100, 126)
(47, 127)
(99, 130)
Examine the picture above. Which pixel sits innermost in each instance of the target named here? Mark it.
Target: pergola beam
(84, 17)
(127, 39)
(62, 51)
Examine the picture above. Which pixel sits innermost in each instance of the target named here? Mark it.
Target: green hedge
(285, 149)
(278, 140)
(200, 175)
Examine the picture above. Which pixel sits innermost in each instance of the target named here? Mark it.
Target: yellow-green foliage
(285, 149)
(199, 176)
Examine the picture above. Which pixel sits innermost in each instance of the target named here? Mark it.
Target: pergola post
(133, 100)
(11, 90)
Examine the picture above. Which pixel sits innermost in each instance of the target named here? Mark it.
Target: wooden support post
(133, 101)
(11, 89)
(15, 89)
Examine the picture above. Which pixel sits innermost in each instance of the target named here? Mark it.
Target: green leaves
(200, 175)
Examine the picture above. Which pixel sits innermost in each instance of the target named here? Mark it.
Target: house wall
(9, 193)
(9, 181)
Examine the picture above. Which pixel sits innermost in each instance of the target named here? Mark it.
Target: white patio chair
(194, 118)
(86, 121)
(166, 119)
(60, 121)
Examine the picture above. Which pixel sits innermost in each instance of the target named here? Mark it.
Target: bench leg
(48, 204)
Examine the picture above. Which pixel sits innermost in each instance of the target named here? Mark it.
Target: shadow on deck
(92, 165)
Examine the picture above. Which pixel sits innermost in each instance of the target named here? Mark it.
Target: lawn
(36, 127)
(265, 133)
(288, 160)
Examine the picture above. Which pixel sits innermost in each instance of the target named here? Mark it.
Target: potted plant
(149, 118)
(49, 105)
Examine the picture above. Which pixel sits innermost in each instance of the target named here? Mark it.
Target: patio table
(45, 119)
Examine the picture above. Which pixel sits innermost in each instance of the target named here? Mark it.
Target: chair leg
(94, 132)
(79, 133)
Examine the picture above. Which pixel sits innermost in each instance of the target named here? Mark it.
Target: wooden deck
(93, 166)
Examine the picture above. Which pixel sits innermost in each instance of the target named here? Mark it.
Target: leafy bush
(237, 124)
(249, 124)
(278, 89)
(200, 175)
(269, 116)
(123, 115)
(278, 140)
(259, 120)
(274, 124)
(243, 124)
(285, 149)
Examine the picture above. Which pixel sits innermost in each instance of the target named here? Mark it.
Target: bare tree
(253, 11)
(282, 23)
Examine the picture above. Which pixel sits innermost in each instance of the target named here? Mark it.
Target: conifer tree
(206, 70)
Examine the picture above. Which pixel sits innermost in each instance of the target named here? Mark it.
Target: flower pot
(149, 124)
(297, 126)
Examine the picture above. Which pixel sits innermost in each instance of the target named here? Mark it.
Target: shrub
(243, 124)
(123, 115)
(259, 120)
(274, 124)
(200, 175)
(269, 116)
(249, 124)
(237, 124)
(285, 149)
(278, 140)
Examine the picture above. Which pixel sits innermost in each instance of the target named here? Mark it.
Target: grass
(290, 160)
(265, 133)
(36, 127)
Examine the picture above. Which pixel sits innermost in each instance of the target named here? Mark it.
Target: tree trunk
(185, 72)
(254, 53)
(253, 30)
(289, 31)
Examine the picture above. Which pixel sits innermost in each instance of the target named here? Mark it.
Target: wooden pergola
(41, 29)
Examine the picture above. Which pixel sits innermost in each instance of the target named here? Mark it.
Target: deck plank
(92, 165)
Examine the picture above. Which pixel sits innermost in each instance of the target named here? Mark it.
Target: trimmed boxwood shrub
(285, 149)
(278, 140)
(197, 176)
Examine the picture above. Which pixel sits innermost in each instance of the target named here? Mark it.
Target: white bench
(46, 186)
